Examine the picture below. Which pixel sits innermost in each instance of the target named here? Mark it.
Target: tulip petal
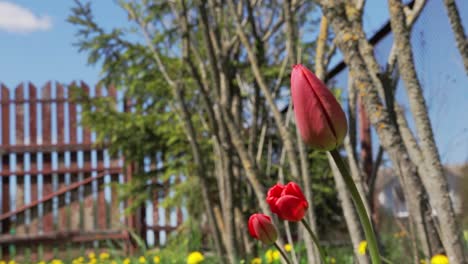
(251, 226)
(266, 231)
(261, 228)
(294, 189)
(272, 196)
(291, 208)
(319, 116)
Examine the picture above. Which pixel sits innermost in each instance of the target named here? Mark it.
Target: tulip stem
(285, 257)
(361, 209)
(316, 241)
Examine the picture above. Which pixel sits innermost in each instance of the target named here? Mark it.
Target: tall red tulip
(261, 228)
(287, 201)
(319, 116)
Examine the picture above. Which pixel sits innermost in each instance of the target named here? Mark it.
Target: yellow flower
(439, 259)
(2, 262)
(126, 261)
(362, 247)
(40, 262)
(288, 247)
(104, 256)
(195, 257)
(423, 261)
(156, 260)
(331, 260)
(91, 255)
(56, 261)
(12, 262)
(272, 255)
(142, 259)
(93, 261)
(256, 261)
(113, 262)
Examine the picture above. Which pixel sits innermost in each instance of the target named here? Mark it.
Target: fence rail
(56, 186)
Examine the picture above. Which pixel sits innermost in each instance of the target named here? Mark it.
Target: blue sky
(42, 54)
(36, 45)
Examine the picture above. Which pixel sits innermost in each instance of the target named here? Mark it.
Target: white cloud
(17, 19)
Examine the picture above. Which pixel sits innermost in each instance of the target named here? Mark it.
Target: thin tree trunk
(433, 244)
(378, 115)
(312, 252)
(365, 140)
(200, 170)
(434, 181)
(284, 133)
(458, 30)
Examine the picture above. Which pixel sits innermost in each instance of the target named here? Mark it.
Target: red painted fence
(55, 187)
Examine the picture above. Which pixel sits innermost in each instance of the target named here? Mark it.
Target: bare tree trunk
(432, 245)
(284, 133)
(458, 30)
(355, 169)
(434, 181)
(347, 41)
(354, 226)
(365, 140)
(349, 211)
(312, 252)
(201, 169)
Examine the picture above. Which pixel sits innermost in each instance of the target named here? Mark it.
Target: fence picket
(59, 178)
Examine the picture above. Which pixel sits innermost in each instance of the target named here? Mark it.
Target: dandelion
(142, 259)
(439, 259)
(126, 261)
(56, 261)
(362, 247)
(12, 262)
(2, 262)
(256, 261)
(104, 256)
(156, 260)
(195, 258)
(272, 255)
(40, 262)
(79, 260)
(91, 255)
(288, 247)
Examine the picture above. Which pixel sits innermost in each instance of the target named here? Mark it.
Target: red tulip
(287, 201)
(319, 116)
(261, 228)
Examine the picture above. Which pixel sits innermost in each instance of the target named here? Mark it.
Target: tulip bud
(288, 201)
(319, 117)
(261, 228)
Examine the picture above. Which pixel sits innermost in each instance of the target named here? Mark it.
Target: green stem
(316, 241)
(386, 260)
(361, 209)
(285, 257)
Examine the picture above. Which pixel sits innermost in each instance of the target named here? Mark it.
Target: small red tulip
(319, 117)
(261, 228)
(287, 201)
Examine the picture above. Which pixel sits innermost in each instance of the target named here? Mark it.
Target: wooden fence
(56, 195)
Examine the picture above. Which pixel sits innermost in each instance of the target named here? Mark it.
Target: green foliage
(149, 125)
